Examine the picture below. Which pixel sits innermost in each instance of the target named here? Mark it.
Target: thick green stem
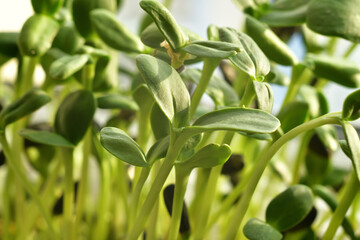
(208, 69)
(248, 95)
(6, 207)
(352, 187)
(68, 193)
(151, 233)
(242, 206)
(181, 181)
(14, 166)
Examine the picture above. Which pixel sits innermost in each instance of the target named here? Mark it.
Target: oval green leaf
(68, 39)
(256, 229)
(342, 71)
(351, 106)
(289, 118)
(166, 23)
(167, 87)
(335, 18)
(81, 14)
(236, 119)
(30, 102)
(113, 33)
(316, 100)
(119, 144)
(273, 47)
(286, 13)
(264, 96)
(158, 150)
(252, 60)
(207, 157)
(116, 101)
(290, 207)
(67, 66)
(47, 138)
(211, 49)
(49, 7)
(37, 34)
(75, 115)
(8, 44)
(159, 122)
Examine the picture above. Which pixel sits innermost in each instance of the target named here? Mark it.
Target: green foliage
(256, 229)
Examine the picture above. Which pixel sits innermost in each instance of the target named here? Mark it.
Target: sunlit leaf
(256, 229)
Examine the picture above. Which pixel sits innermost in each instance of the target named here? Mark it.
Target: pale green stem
(350, 50)
(295, 84)
(14, 166)
(242, 206)
(83, 185)
(208, 69)
(181, 181)
(248, 94)
(48, 196)
(135, 197)
(101, 229)
(352, 187)
(173, 152)
(300, 157)
(68, 204)
(151, 233)
(6, 207)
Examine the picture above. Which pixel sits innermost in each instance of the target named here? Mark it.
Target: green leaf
(316, 100)
(119, 144)
(353, 143)
(116, 101)
(167, 87)
(290, 207)
(49, 57)
(235, 119)
(256, 229)
(264, 96)
(342, 71)
(81, 14)
(158, 150)
(351, 106)
(207, 157)
(113, 33)
(335, 18)
(166, 23)
(49, 7)
(286, 13)
(75, 115)
(159, 122)
(273, 47)
(218, 89)
(67, 66)
(37, 34)
(30, 102)
(345, 148)
(68, 39)
(252, 60)
(152, 37)
(211, 49)
(44, 137)
(188, 149)
(8, 44)
(290, 118)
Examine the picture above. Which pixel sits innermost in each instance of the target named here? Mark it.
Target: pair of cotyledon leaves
(284, 212)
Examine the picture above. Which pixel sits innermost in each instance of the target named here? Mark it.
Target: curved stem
(25, 182)
(242, 206)
(208, 69)
(352, 187)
